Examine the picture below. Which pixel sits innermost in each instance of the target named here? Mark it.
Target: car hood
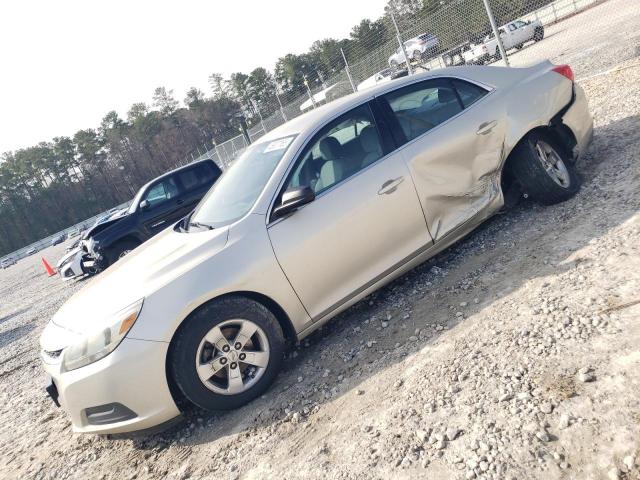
(149, 267)
(102, 224)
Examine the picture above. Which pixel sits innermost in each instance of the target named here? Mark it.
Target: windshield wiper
(201, 225)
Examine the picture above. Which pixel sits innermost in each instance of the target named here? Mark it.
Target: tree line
(54, 184)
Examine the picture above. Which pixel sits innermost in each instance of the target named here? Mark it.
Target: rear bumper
(579, 120)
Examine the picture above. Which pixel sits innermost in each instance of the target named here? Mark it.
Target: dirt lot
(509, 356)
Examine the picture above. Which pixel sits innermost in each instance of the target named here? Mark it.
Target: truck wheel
(447, 59)
(227, 353)
(538, 34)
(119, 250)
(417, 56)
(393, 64)
(543, 169)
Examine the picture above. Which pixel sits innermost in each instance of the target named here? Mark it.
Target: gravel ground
(509, 356)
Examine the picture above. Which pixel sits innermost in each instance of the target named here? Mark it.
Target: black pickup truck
(159, 204)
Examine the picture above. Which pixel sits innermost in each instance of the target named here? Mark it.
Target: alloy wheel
(553, 164)
(232, 357)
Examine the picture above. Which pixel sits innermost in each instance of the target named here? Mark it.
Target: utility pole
(401, 43)
(346, 69)
(496, 32)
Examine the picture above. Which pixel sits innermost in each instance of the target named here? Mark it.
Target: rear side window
(469, 93)
(424, 105)
(199, 175)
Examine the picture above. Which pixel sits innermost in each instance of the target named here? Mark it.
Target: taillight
(564, 70)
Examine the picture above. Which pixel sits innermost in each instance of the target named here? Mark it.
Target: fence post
(255, 105)
(401, 43)
(496, 32)
(306, 84)
(346, 69)
(284, 117)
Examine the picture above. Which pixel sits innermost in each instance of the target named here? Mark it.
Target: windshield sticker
(278, 144)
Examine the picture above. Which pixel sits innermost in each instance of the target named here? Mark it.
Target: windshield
(239, 187)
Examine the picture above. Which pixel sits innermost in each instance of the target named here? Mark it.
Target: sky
(65, 63)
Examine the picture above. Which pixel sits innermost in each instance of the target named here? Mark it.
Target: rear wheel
(543, 169)
(227, 353)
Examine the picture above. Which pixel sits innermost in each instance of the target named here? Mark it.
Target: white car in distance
(419, 48)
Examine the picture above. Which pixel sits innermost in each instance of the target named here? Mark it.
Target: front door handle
(157, 224)
(486, 127)
(390, 186)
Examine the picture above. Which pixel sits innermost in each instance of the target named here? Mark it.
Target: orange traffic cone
(50, 271)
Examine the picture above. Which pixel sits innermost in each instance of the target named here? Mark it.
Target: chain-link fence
(589, 34)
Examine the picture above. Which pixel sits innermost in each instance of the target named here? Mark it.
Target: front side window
(343, 147)
(422, 106)
(161, 192)
(233, 195)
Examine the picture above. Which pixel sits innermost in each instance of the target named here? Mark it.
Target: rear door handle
(390, 186)
(486, 127)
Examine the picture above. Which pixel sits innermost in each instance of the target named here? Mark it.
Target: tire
(520, 46)
(417, 56)
(497, 55)
(192, 352)
(548, 180)
(447, 59)
(119, 250)
(538, 34)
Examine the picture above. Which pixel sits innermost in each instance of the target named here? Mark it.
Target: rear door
(452, 132)
(194, 183)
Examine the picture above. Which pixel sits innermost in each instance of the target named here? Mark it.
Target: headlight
(101, 343)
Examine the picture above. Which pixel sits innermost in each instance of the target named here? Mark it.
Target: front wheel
(542, 167)
(227, 353)
(119, 250)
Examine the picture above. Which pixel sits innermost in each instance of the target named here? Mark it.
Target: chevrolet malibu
(313, 217)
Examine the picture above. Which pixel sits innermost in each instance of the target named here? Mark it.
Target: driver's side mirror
(144, 204)
(292, 199)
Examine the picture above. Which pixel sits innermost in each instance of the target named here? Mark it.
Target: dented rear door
(452, 144)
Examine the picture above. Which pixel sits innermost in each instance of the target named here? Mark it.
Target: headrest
(446, 95)
(369, 139)
(330, 148)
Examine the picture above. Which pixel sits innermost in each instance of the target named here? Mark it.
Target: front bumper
(580, 121)
(125, 391)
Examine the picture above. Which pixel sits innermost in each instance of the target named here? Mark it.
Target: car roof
(176, 170)
(307, 121)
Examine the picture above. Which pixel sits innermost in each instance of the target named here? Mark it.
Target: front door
(163, 206)
(453, 147)
(366, 219)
